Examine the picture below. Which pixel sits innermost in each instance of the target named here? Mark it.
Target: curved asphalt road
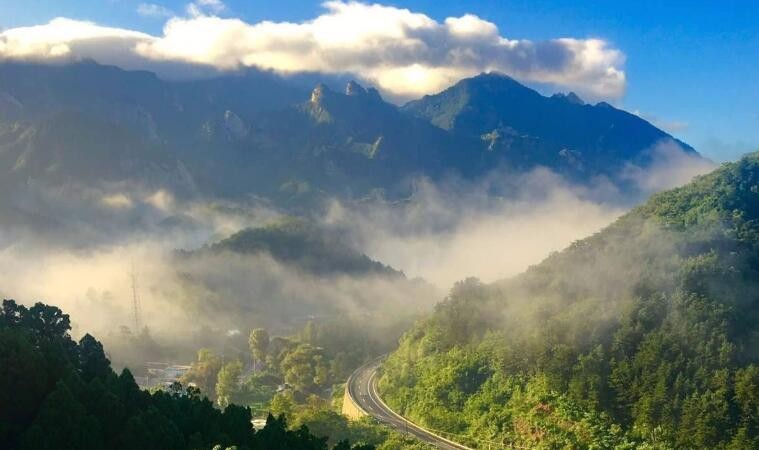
(362, 388)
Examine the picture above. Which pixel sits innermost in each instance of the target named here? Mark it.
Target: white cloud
(202, 7)
(153, 10)
(499, 225)
(117, 201)
(59, 37)
(669, 167)
(451, 230)
(405, 53)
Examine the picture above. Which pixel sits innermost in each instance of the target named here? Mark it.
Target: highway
(362, 388)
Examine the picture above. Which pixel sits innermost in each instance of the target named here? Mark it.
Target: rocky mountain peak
(354, 89)
(569, 98)
(317, 95)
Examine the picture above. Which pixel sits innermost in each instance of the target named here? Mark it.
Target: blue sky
(691, 67)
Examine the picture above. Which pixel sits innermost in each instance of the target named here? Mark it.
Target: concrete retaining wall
(350, 409)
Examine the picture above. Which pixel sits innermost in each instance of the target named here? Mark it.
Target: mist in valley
(95, 248)
(367, 226)
(497, 226)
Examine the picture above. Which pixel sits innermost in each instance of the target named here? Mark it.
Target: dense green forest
(300, 377)
(309, 363)
(644, 335)
(56, 393)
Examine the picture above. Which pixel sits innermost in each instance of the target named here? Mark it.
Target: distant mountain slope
(255, 133)
(163, 110)
(70, 146)
(287, 272)
(352, 144)
(91, 124)
(643, 335)
(295, 242)
(526, 128)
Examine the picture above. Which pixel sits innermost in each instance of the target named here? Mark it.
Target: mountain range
(256, 133)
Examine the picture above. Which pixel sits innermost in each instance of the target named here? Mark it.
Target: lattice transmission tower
(136, 308)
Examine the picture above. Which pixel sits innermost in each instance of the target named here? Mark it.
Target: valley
(366, 226)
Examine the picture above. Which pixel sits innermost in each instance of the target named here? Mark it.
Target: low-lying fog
(78, 248)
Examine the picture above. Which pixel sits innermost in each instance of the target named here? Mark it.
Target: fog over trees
(204, 262)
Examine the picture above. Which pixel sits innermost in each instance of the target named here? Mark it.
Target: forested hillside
(304, 245)
(642, 336)
(287, 271)
(58, 394)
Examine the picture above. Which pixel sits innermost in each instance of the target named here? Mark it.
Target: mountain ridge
(256, 133)
(495, 105)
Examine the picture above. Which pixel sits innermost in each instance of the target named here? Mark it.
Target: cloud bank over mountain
(405, 53)
(499, 225)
